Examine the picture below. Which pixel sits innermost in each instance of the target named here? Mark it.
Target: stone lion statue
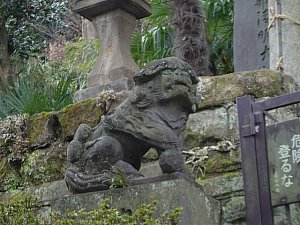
(153, 115)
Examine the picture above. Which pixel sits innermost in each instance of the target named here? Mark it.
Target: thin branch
(42, 29)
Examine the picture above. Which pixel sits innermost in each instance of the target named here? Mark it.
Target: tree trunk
(190, 40)
(4, 57)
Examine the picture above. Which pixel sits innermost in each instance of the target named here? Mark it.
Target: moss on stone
(151, 155)
(222, 162)
(68, 119)
(82, 112)
(36, 131)
(5, 170)
(234, 210)
(226, 88)
(45, 165)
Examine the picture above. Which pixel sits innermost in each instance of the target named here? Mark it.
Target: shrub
(24, 210)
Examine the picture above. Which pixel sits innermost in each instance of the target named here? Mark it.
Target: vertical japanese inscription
(262, 17)
(286, 167)
(283, 145)
(251, 35)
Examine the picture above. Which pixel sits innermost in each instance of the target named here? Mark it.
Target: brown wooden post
(263, 169)
(249, 160)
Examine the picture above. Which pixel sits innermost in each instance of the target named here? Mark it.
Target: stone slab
(226, 88)
(92, 8)
(251, 44)
(151, 169)
(171, 191)
(224, 186)
(92, 92)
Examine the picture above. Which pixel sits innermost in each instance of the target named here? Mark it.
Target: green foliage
(154, 39)
(13, 148)
(33, 23)
(19, 210)
(44, 86)
(24, 210)
(32, 94)
(118, 177)
(32, 175)
(12, 183)
(81, 55)
(48, 86)
(219, 15)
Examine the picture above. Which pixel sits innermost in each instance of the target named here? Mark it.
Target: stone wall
(210, 139)
(216, 122)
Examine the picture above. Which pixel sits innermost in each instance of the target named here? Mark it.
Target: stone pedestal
(114, 21)
(171, 191)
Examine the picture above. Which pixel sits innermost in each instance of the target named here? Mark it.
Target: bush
(29, 95)
(24, 210)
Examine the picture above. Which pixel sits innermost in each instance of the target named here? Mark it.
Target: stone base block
(171, 191)
(92, 92)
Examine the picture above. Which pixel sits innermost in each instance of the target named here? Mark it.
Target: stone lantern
(115, 21)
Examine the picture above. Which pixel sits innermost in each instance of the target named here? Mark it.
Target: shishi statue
(153, 115)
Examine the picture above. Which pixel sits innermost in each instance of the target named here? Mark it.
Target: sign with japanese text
(283, 145)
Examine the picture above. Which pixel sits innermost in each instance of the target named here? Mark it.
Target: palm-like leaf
(220, 32)
(153, 40)
(30, 95)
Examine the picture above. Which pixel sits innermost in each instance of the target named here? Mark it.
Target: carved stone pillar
(115, 61)
(114, 21)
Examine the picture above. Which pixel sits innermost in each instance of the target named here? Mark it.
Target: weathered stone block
(42, 129)
(72, 116)
(284, 35)
(50, 191)
(280, 216)
(251, 44)
(260, 83)
(45, 165)
(209, 124)
(234, 210)
(220, 162)
(197, 208)
(46, 128)
(224, 186)
(150, 169)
